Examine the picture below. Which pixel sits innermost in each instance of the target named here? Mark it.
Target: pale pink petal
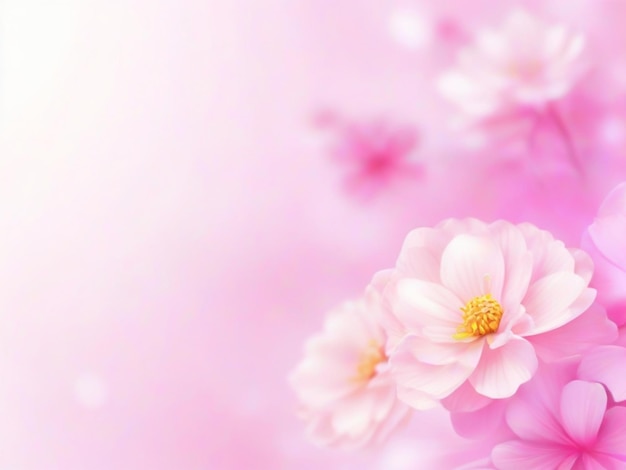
(501, 371)
(584, 264)
(416, 399)
(472, 266)
(517, 455)
(611, 222)
(548, 299)
(465, 399)
(606, 364)
(583, 405)
(424, 238)
(436, 381)
(518, 263)
(603, 233)
(611, 438)
(317, 383)
(438, 353)
(394, 330)
(354, 416)
(584, 332)
(429, 304)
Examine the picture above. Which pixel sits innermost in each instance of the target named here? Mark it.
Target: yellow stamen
(481, 316)
(370, 358)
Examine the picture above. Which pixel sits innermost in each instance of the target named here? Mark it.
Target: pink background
(171, 229)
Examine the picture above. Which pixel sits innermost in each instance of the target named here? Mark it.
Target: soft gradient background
(172, 229)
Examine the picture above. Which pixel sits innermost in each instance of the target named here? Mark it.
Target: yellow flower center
(481, 316)
(370, 358)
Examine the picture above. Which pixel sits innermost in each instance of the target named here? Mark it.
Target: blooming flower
(347, 394)
(524, 64)
(478, 303)
(573, 430)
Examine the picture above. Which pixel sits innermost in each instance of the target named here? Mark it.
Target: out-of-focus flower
(606, 243)
(523, 65)
(571, 429)
(375, 154)
(346, 391)
(479, 302)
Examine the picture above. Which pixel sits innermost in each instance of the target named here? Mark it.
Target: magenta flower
(524, 64)
(344, 386)
(477, 303)
(374, 155)
(571, 431)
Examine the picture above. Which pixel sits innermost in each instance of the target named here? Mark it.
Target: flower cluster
(518, 337)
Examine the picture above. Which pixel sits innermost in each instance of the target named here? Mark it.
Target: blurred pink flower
(572, 430)
(606, 243)
(478, 303)
(346, 391)
(375, 154)
(525, 64)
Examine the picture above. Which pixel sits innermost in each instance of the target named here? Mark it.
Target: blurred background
(177, 212)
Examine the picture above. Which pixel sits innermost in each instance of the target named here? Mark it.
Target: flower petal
(434, 381)
(501, 371)
(488, 421)
(605, 364)
(428, 304)
(514, 455)
(589, 329)
(465, 399)
(583, 405)
(548, 299)
(518, 262)
(472, 266)
(611, 437)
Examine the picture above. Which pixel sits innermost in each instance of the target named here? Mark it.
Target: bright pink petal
(589, 329)
(611, 438)
(605, 364)
(481, 424)
(533, 420)
(597, 461)
(501, 371)
(583, 405)
(548, 299)
(472, 266)
(517, 455)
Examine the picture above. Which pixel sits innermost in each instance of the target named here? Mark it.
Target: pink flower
(525, 64)
(606, 243)
(478, 303)
(346, 392)
(572, 430)
(375, 154)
